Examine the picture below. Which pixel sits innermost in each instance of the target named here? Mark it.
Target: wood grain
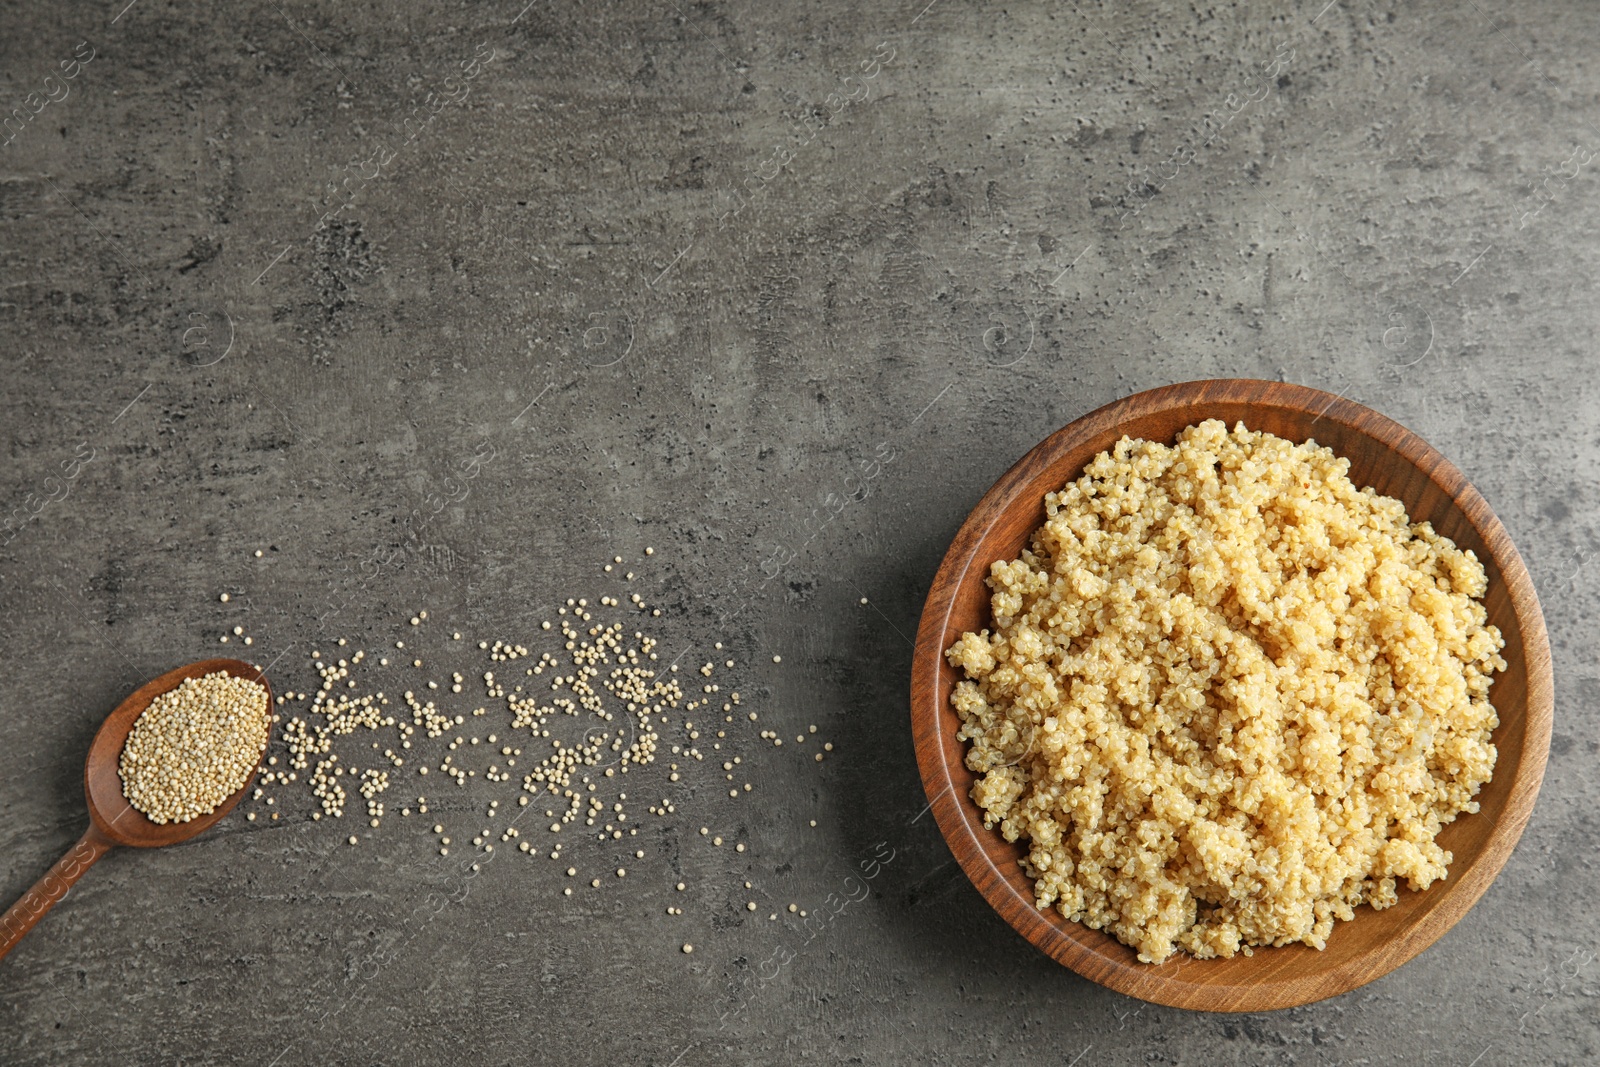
(1382, 454)
(47, 892)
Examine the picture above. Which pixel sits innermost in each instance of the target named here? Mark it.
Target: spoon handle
(47, 891)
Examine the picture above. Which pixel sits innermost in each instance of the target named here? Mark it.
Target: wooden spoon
(112, 820)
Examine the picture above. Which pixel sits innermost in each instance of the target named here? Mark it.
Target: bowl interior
(1395, 463)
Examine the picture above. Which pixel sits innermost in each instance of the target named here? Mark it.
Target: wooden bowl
(1382, 454)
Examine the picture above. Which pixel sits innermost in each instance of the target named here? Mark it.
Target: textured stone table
(443, 307)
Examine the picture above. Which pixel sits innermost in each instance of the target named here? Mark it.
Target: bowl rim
(1177, 983)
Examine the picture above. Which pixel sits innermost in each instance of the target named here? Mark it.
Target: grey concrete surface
(442, 306)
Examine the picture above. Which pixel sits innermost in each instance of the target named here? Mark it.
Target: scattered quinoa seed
(638, 712)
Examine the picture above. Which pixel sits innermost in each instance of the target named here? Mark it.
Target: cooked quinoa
(1228, 696)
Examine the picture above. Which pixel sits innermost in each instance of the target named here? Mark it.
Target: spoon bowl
(109, 810)
(112, 820)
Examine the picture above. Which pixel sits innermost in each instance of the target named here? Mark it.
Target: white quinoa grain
(194, 746)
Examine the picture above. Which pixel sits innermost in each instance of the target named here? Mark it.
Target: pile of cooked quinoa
(1228, 696)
